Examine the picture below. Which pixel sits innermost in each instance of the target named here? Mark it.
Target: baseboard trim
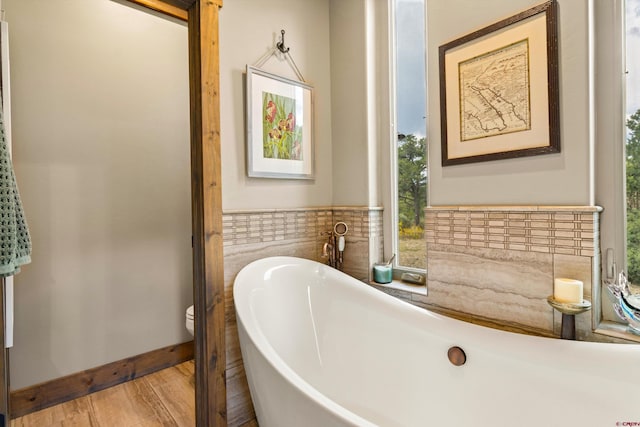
(59, 390)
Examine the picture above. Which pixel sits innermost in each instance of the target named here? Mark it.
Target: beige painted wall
(559, 179)
(341, 49)
(100, 136)
(349, 93)
(333, 42)
(248, 30)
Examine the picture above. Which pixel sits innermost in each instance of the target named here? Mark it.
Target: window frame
(608, 107)
(391, 196)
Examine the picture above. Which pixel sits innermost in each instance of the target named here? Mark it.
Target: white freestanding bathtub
(323, 349)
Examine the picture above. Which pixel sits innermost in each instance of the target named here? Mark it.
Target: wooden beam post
(206, 202)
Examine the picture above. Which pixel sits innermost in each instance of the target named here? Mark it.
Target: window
(411, 150)
(617, 150)
(632, 137)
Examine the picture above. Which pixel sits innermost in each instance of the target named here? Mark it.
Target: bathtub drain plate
(457, 356)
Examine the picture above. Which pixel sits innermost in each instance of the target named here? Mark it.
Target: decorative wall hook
(274, 52)
(280, 44)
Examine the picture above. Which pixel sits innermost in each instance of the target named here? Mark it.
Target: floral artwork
(282, 137)
(280, 141)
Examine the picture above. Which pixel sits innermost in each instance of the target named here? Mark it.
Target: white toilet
(189, 321)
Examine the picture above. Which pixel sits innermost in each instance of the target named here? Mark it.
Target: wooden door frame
(206, 214)
(206, 203)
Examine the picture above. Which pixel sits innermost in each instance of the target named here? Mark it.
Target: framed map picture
(279, 127)
(499, 90)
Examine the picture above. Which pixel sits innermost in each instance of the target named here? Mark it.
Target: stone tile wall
(499, 262)
(364, 243)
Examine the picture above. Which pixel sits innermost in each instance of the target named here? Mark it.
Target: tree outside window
(412, 199)
(410, 108)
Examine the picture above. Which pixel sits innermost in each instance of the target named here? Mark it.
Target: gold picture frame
(499, 90)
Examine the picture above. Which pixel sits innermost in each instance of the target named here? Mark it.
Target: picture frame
(280, 141)
(499, 90)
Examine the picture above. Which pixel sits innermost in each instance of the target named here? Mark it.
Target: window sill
(616, 330)
(403, 286)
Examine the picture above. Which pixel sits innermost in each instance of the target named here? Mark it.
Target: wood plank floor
(164, 398)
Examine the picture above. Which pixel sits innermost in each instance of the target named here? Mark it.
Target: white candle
(567, 290)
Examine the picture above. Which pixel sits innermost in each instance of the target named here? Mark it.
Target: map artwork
(494, 92)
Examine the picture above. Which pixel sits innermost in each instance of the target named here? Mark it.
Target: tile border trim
(309, 209)
(517, 208)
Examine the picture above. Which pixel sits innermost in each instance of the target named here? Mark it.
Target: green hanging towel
(15, 242)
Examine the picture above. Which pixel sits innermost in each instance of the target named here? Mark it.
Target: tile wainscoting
(497, 263)
(255, 234)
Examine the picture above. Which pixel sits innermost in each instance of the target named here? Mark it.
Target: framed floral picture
(279, 127)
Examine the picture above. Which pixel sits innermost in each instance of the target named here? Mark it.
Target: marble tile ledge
(525, 208)
(403, 286)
